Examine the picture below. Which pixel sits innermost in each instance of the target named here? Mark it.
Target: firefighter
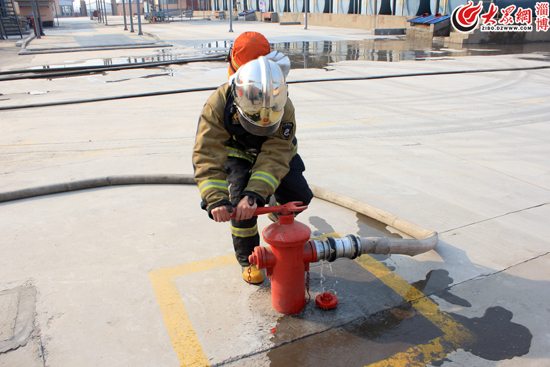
(245, 152)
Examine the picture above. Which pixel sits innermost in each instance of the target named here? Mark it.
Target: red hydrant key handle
(289, 208)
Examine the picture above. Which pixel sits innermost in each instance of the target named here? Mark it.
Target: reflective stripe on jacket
(210, 153)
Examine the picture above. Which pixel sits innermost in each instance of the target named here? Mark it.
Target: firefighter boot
(256, 275)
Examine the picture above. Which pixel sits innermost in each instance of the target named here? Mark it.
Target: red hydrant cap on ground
(326, 300)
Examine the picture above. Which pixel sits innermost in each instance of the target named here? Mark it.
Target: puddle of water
(360, 343)
(77, 75)
(321, 225)
(305, 55)
(369, 227)
(223, 45)
(373, 338)
(437, 283)
(320, 54)
(139, 77)
(373, 322)
(497, 337)
(121, 61)
(381, 336)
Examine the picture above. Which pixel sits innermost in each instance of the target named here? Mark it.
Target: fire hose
(291, 247)
(422, 239)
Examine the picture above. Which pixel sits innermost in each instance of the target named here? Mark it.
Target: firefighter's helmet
(260, 93)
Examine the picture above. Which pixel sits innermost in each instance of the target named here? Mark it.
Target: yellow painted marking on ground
(190, 353)
(182, 334)
(455, 335)
(324, 236)
(418, 356)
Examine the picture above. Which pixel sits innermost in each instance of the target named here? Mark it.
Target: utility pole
(105, 8)
(231, 16)
(56, 15)
(131, 20)
(41, 30)
(124, 15)
(139, 18)
(35, 16)
(307, 8)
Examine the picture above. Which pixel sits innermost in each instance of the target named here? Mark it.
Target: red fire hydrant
(287, 259)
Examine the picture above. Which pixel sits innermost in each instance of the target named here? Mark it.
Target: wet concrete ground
(119, 272)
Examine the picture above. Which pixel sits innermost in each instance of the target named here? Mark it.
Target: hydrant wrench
(286, 209)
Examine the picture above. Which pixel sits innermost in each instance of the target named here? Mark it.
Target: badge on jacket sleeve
(286, 130)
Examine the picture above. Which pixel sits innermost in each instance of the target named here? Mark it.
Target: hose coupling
(335, 248)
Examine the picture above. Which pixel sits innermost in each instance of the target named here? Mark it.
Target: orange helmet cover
(247, 47)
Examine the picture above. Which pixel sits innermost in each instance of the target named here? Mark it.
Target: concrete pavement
(76, 35)
(139, 275)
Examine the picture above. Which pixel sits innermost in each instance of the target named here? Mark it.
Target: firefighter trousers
(293, 187)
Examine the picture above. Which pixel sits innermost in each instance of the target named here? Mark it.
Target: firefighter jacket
(220, 135)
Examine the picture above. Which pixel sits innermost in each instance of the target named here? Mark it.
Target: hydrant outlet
(262, 257)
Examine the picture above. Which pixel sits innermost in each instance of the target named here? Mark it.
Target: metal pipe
(131, 18)
(105, 7)
(231, 16)
(35, 18)
(56, 15)
(39, 19)
(124, 15)
(140, 33)
(307, 8)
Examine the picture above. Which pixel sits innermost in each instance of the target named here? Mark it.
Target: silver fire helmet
(260, 93)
